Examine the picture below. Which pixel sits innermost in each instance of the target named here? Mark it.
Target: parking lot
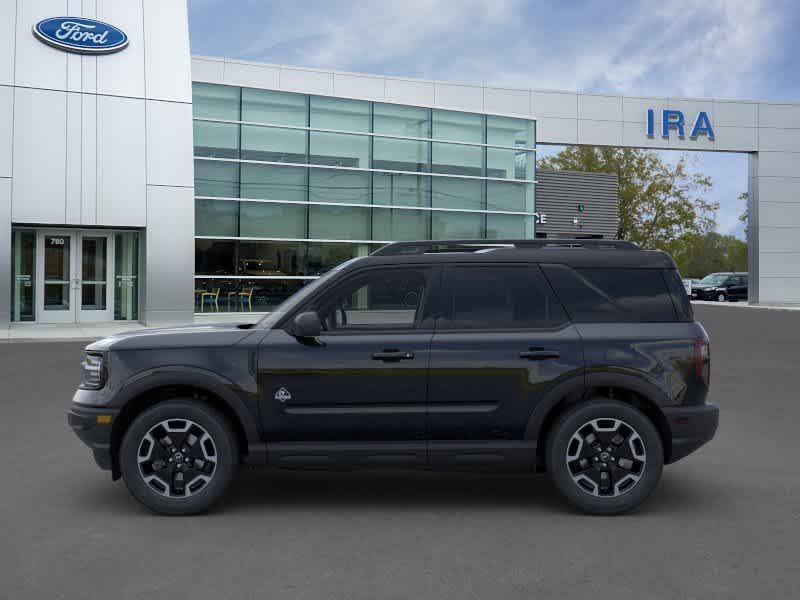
(724, 523)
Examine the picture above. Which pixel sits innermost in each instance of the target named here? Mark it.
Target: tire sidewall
(217, 427)
(721, 298)
(576, 417)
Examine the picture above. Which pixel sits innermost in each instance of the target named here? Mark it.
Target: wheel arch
(152, 387)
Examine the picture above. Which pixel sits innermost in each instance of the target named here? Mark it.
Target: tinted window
(377, 299)
(498, 297)
(680, 299)
(603, 295)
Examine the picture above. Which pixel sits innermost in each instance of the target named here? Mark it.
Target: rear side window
(680, 299)
(593, 295)
(498, 297)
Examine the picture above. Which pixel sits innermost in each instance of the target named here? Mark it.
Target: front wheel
(605, 457)
(721, 298)
(179, 457)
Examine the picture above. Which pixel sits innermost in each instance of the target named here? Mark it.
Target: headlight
(93, 372)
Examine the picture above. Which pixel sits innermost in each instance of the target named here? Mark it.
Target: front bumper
(93, 431)
(692, 426)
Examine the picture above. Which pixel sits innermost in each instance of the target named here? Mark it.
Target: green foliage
(699, 255)
(659, 202)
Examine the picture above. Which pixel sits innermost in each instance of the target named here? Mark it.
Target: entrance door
(73, 280)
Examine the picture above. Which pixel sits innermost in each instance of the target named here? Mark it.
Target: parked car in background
(687, 285)
(721, 287)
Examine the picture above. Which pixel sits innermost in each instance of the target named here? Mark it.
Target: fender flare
(574, 385)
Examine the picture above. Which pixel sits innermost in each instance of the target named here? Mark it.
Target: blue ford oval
(84, 36)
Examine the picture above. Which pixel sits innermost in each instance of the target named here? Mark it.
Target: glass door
(56, 280)
(93, 291)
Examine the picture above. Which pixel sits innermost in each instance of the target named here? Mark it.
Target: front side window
(379, 299)
(498, 297)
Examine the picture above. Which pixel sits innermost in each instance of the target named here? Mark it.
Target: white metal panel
(74, 163)
(502, 101)
(779, 290)
(167, 62)
(74, 70)
(37, 64)
(635, 135)
(779, 239)
(690, 108)
(5, 250)
(39, 155)
(735, 139)
(122, 73)
(778, 164)
(781, 140)
(599, 108)
(410, 91)
(6, 129)
(551, 130)
(777, 190)
(307, 81)
(89, 159)
(555, 104)
(736, 114)
(778, 115)
(121, 166)
(780, 264)
(634, 109)
(600, 133)
(358, 86)
(250, 75)
(466, 97)
(208, 70)
(169, 144)
(8, 19)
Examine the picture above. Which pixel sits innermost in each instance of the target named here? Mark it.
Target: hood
(206, 335)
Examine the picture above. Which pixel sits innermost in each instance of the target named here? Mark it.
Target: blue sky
(708, 48)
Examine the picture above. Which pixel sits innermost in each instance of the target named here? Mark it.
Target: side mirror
(306, 325)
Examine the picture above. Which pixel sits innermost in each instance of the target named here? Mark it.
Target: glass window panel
(339, 223)
(126, 276)
(458, 160)
(398, 225)
(218, 140)
(212, 295)
(508, 227)
(453, 225)
(214, 257)
(211, 101)
(260, 219)
(266, 106)
(271, 258)
(273, 144)
(57, 272)
(93, 273)
(401, 190)
(334, 185)
(216, 217)
(212, 178)
(322, 257)
(457, 193)
(269, 293)
(338, 113)
(273, 182)
(501, 195)
(23, 264)
(409, 121)
(339, 150)
(457, 126)
(506, 131)
(399, 155)
(509, 164)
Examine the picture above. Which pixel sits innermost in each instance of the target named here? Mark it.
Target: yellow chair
(246, 294)
(213, 296)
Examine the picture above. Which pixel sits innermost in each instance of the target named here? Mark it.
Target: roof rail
(437, 246)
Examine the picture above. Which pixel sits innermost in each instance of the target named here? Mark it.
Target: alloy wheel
(606, 457)
(177, 458)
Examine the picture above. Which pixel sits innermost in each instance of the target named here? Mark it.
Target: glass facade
(289, 185)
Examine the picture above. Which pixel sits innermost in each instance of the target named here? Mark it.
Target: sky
(709, 48)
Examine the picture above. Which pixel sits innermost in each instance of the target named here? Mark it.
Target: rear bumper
(97, 435)
(692, 426)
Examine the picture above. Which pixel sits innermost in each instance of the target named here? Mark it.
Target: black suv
(581, 358)
(721, 287)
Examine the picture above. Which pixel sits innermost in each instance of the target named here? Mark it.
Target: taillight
(702, 360)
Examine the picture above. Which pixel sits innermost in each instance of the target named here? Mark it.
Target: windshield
(269, 320)
(713, 279)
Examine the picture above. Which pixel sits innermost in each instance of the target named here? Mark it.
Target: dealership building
(138, 183)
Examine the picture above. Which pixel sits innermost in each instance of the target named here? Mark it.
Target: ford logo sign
(84, 36)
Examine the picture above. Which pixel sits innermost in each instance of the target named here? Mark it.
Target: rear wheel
(179, 457)
(605, 457)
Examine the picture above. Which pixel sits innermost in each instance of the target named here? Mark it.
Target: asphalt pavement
(724, 523)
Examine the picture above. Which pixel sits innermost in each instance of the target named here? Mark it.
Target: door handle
(539, 354)
(392, 355)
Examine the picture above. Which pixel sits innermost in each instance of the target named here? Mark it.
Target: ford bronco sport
(580, 358)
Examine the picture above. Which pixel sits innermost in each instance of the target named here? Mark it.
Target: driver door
(363, 380)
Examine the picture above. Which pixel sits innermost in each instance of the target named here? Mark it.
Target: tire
(144, 447)
(721, 297)
(629, 487)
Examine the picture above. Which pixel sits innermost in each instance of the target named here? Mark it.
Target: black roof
(573, 252)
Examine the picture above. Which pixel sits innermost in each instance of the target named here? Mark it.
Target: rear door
(502, 342)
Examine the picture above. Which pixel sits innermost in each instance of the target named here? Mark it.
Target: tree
(659, 202)
(698, 255)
